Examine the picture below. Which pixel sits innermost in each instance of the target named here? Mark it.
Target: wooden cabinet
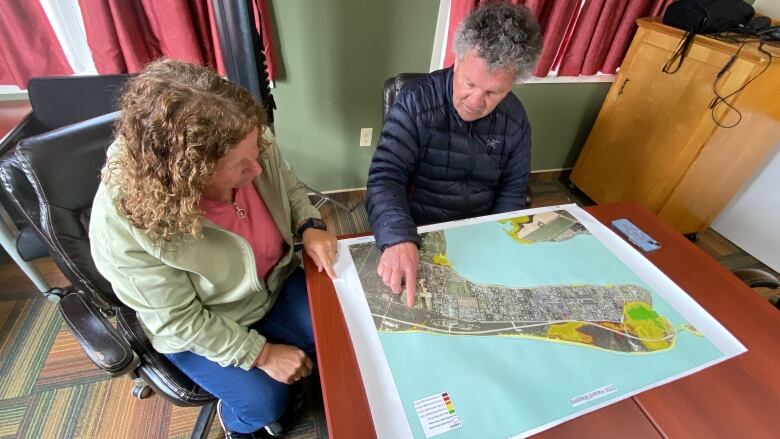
(655, 142)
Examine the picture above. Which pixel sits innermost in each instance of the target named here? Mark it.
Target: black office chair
(393, 86)
(55, 102)
(760, 279)
(52, 179)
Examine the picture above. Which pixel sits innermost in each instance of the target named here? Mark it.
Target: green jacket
(200, 295)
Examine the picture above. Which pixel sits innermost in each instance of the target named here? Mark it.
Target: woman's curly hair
(177, 120)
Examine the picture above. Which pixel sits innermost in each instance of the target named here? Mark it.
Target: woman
(193, 225)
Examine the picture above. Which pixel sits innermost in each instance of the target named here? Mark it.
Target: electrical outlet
(365, 136)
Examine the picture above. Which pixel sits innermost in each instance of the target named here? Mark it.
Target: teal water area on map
(502, 386)
(580, 260)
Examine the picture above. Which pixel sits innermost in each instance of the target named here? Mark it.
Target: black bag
(707, 16)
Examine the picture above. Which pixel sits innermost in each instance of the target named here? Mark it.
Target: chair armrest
(757, 278)
(100, 341)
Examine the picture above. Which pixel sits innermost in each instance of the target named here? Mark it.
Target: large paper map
(521, 321)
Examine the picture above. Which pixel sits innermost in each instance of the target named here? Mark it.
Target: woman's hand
(284, 363)
(320, 245)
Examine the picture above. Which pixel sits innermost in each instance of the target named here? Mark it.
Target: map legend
(437, 414)
(448, 403)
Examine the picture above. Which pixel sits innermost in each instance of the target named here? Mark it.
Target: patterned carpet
(49, 389)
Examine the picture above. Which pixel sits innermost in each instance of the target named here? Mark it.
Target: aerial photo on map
(618, 318)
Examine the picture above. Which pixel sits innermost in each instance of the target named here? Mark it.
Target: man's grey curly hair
(505, 37)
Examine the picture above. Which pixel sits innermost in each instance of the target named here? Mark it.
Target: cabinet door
(731, 155)
(651, 125)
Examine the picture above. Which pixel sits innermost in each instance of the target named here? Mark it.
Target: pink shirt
(257, 226)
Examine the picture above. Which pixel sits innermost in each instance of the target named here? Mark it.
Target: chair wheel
(141, 391)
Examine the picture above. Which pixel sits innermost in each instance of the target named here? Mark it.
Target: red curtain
(125, 35)
(602, 34)
(580, 37)
(459, 9)
(29, 45)
(555, 22)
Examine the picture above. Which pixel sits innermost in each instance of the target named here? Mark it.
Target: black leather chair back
(52, 179)
(57, 101)
(394, 85)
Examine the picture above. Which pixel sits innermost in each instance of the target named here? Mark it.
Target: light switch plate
(366, 135)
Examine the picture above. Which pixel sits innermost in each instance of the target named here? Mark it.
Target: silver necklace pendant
(241, 213)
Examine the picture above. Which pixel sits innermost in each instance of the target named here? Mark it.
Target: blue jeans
(252, 399)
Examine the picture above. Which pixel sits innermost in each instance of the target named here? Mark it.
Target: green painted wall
(15, 96)
(335, 56)
(561, 116)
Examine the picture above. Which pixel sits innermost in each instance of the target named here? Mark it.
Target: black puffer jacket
(430, 166)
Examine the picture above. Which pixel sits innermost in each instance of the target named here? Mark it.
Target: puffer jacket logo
(493, 143)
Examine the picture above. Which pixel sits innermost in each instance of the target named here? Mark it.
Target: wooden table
(737, 398)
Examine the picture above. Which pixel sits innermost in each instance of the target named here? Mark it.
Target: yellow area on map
(690, 329)
(640, 321)
(517, 224)
(569, 331)
(441, 260)
(617, 327)
(652, 329)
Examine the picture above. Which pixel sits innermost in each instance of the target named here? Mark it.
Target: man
(456, 143)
